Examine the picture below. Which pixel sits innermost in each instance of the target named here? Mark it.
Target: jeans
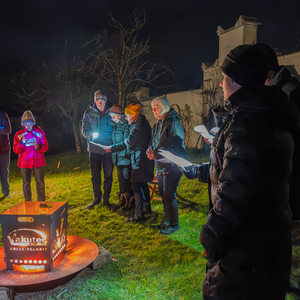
(39, 180)
(96, 161)
(167, 185)
(4, 172)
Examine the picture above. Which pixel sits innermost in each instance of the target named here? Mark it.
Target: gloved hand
(191, 172)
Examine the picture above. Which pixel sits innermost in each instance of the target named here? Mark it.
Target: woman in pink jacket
(31, 143)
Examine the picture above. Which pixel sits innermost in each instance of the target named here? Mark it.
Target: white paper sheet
(179, 161)
(203, 131)
(99, 145)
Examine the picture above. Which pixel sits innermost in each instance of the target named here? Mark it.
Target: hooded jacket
(288, 84)
(29, 156)
(120, 132)
(247, 234)
(168, 134)
(95, 121)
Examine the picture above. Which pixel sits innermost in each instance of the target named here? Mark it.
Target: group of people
(29, 143)
(124, 138)
(253, 175)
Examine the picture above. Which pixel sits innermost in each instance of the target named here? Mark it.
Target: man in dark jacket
(167, 134)
(281, 77)
(142, 168)
(5, 130)
(247, 236)
(97, 129)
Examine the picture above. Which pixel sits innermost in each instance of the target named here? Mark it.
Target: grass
(146, 265)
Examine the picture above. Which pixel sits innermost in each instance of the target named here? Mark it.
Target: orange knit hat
(133, 109)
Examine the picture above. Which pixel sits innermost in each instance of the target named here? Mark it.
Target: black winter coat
(5, 130)
(247, 236)
(95, 121)
(137, 144)
(168, 134)
(290, 85)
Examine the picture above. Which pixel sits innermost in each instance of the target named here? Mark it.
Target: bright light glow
(95, 135)
(29, 268)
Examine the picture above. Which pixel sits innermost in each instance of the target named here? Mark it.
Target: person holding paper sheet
(30, 143)
(142, 168)
(247, 235)
(167, 134)
(97, 129)
(121, 159)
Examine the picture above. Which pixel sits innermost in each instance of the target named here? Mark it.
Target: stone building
(203, 99)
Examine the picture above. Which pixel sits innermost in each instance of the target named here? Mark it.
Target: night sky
(183, 32)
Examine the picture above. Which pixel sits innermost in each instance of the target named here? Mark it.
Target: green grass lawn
(146, 264)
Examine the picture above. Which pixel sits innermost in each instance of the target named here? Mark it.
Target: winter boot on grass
(94, 203)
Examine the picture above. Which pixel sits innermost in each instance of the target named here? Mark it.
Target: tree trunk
(77, 137)
(76, 130)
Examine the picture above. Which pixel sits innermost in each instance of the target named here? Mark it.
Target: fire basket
(34, 234)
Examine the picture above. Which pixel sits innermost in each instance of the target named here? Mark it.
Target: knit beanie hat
(133, 109)
(98, 95)
(246, 65)
(271, 56)
(27, 116)
(116, 109)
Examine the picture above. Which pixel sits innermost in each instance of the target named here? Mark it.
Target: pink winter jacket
(29, 157)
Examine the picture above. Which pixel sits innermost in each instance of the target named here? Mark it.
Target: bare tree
(186, 120)
(121, 59)
(69, 91)
(210, 96)
(66, 90)
(29, 89)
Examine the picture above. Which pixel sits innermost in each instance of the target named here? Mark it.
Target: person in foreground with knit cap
(247, 236)
(142, 168)
(97, 129)
(31, 143)
(121, 159)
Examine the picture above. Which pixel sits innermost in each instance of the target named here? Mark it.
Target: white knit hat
(27, 116)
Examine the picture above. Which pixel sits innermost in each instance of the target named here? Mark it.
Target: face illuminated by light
(157, 111)
(28, 125)
(100, 102)
(115, 117)
(229, 86)
(129, 118)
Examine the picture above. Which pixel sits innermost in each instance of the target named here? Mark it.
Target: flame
(29, 268)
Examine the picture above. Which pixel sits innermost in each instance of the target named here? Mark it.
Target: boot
(129, 202)
(93, 203)
(122, 199)
(107, 204)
